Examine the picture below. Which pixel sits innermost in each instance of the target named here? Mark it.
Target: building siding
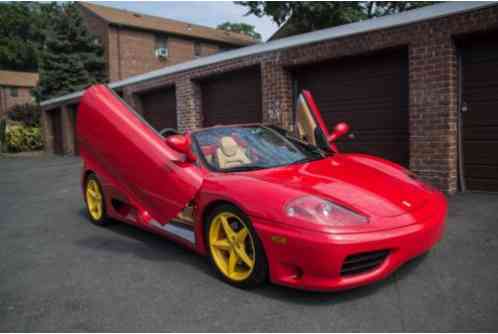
(7, 101)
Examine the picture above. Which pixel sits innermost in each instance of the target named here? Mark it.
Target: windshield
(230, 149)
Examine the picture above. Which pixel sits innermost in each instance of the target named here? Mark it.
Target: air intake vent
(363, 262)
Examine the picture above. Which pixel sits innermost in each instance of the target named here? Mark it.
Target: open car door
(131, 154)
(310, 126)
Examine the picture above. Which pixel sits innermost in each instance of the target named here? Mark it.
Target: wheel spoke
(242, 234)
(91, 192)
(232, 261)
(227, 228)
(222, 244)
(241, 253)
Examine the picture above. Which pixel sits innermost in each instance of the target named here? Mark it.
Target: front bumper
(313, 261)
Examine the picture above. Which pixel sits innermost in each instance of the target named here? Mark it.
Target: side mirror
(339, 130)
(181, 144)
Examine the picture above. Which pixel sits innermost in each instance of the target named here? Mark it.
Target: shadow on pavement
(153, 247)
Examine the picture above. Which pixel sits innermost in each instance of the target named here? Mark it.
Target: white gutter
(378, 23)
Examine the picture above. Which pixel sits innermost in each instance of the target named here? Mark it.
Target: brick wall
(137, 53)
(130, 52)
(433, 84)
(7, 101)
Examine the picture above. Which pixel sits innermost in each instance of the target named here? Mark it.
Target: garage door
(370, 93)
(480, 113)
(159, 108)
(56, 122)
(72, 109)
(233, 98)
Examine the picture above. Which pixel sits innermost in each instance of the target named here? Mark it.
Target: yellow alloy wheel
(94, 199)
(232, 246)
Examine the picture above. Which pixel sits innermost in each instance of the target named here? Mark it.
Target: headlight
(320, 211)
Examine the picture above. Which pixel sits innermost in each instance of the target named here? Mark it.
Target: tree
(72, 58)
(22, 26)
(242, 28)
(302, 16)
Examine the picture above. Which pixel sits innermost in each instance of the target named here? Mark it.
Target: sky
(198, 12)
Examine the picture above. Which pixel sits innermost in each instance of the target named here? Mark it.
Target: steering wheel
(166, 132)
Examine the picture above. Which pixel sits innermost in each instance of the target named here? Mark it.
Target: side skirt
(177, 229)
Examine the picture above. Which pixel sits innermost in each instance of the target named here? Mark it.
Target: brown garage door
(480, 120)
(232, 98)
(159, 108)
(370, 93)
(73, 112)
(56, 128)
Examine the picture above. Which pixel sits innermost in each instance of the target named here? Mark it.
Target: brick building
(15, 88)
(136, 43)
(419, 88)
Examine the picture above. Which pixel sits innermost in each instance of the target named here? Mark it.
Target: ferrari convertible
(263, 203)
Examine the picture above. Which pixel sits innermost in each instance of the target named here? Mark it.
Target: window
(14, 92)
(161, 50)
(197, 49)
(161, 41)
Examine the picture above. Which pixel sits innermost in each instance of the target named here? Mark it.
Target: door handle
(464, 108)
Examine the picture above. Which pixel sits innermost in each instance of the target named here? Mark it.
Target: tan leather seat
(229, 154)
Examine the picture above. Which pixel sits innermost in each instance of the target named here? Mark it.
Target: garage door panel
(480, 121)
(159, 108)
(480, 184)
(481, 132)
(476, 110)
(388, 150)
(481, 153)
(378, 120)
(484, 172)
(232, 98)
(368, 92)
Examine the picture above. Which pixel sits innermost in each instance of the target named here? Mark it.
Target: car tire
(246, 250)
(95, 201)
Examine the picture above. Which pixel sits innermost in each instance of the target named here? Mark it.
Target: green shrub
(20, 138)
(28, 114)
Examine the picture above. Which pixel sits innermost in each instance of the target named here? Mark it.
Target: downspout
(460, 110)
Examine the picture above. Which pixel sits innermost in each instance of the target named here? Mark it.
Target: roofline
(241, 42)
(378, 23)
(182, 35)
(3, 85)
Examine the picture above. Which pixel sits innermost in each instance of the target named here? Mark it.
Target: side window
(161, 49)
(14, 92)
(197, 49)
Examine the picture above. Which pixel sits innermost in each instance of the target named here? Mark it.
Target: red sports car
(262, 203)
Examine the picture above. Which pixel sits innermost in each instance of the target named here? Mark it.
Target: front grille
(363, 262)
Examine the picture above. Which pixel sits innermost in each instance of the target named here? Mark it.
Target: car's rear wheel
(94, 198)
(234, 248)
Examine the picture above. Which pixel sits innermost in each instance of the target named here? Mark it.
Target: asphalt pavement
(58, 272)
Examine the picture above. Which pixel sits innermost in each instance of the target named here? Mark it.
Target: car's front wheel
(94, 198)
(234, 248)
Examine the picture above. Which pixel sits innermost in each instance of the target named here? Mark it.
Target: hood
(368, 184)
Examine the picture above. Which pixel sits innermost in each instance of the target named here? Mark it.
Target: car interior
(305, 124)
(230, 154)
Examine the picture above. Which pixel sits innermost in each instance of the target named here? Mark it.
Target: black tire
(103, 220)
(260, 270)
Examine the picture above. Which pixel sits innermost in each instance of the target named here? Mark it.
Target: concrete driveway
(58, 272)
